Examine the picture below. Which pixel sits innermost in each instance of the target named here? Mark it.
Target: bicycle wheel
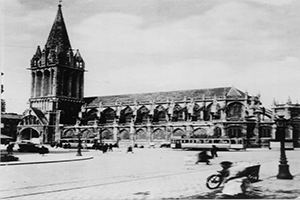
(253, 177)
(214, 181)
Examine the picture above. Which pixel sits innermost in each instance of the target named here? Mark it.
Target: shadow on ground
(254, 193)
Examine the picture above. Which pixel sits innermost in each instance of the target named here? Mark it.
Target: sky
(132, 46)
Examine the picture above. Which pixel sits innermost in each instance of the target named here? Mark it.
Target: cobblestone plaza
(145, 174)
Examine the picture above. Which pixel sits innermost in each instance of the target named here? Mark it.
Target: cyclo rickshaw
(251, 171)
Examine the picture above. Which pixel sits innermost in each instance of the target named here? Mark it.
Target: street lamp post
(96, 127)
(78, 134)
(100, 135)
(283, 172)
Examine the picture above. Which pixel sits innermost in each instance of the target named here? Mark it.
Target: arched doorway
(178, 133)
(124, 138)
(200, 133)
(88, 134)
(29, 133)
(141, 135)
(69, 133)
(158, 134)
(124, 135)
(107, 135)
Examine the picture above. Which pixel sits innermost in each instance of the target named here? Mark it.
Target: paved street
(145, 174)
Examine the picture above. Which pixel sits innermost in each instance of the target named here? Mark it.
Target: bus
(207, 143)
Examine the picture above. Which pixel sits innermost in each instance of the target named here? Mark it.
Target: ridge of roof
(40, 115)
(178, 95)
(11, 115)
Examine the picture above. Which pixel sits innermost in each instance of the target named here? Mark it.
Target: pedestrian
(110, 147)
(100, 146)
(96, 145)
(129, 149)
(203, 157)
(9, 148)
(105, 148)
(214, 151)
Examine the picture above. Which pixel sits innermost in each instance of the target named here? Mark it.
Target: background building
(290, 111)
(9, 123)
(157, 117)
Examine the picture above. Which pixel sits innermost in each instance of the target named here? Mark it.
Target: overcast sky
(133, 46)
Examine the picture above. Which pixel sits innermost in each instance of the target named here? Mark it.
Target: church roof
(10, 116)
(177, 96)
(58, 37)
(40, 115)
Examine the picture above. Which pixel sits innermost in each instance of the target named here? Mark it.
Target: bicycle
(215, 180)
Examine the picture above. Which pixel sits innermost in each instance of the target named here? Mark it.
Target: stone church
(58, 108)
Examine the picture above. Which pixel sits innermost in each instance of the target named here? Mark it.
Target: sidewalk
(145, 174)
(278, 188)
(269, 187)
(52, 157)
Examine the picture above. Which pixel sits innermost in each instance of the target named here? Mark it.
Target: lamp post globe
(283, 172)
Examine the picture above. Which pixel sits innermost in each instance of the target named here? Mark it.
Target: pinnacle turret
(38, 52)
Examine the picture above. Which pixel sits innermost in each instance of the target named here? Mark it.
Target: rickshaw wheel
(214, 181)
(253, 177)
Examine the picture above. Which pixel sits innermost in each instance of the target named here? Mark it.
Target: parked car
(8, 158)
(28, 146)
(165, 145)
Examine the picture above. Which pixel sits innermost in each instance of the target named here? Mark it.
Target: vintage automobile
(28, 146)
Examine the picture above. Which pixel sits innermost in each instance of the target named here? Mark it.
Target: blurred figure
(214, 151)
(203, 157)
(110, 147)
(9, 148)
(105, 148)
(129, 149)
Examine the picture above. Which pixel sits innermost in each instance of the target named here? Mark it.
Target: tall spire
(58, 36)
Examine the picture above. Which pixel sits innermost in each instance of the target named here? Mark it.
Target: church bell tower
(57, 73)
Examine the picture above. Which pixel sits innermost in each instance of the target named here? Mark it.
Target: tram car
(207, 143)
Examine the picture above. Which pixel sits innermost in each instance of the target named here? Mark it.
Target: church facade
(157, 117)
(59, 110)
